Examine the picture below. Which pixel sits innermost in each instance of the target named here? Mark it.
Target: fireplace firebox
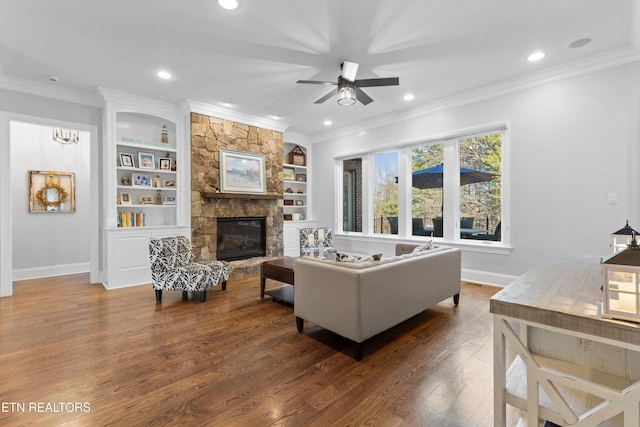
(241, 238)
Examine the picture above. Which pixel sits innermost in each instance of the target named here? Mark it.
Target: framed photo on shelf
(301, 177)
(146, 200)
(146, 160)
(126, 160)
(164, 164)
(125, 198)
(288, 174)
(299, 203)
(140, 180)
(242, 172)
(169, 200)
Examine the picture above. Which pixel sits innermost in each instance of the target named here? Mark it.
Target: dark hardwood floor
(72, 353)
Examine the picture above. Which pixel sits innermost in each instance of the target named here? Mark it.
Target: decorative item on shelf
(288, 202)
(621, 239)
(288, 174)
(65, 137)
(156, 181)
(288, 217)
(125, 179)
(621, 287)
(146, 160)
(159, 198)
(297, 156)
(126, 160)
(173, 166)
(288, 190)
(140, 180)
(146, 199)
(165, 135)
(300, 191)
(299, 203)
(301, 177)
(170, 200)
(125, 198)
(295, 216)
(169, 183)
(164, 164)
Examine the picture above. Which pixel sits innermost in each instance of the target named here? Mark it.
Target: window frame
(451, 200)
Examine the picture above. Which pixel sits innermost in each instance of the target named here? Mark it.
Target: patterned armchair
(173, 268)
(310, 243)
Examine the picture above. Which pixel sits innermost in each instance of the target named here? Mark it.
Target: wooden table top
(285, 262)
(564, 292)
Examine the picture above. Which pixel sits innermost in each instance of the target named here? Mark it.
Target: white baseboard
(487, 278)
(50, 271)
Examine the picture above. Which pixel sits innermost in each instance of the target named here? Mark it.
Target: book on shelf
(131, 219)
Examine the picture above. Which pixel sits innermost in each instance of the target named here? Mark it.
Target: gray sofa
(358, 301)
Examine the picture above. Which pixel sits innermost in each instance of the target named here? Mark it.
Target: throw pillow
(427, 246)
(353, 260)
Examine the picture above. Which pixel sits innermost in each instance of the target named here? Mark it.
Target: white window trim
(449, 140)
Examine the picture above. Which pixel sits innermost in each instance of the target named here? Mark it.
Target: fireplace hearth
(240, 238)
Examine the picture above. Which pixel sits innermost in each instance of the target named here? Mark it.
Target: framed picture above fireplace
(242, 172)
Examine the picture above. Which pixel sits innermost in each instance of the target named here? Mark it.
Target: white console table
(556, 358)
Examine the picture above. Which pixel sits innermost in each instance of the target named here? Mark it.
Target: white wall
(43, 243)
(572, 143)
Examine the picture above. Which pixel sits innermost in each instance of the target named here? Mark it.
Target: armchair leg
(300, 324)
(203, 296)
(158, 295)
(224, 285)
(456, 299)
(185, 295)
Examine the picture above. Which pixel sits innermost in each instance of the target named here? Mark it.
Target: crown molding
(191, 106)
(577, 68)
(49, 91)
(140, 104)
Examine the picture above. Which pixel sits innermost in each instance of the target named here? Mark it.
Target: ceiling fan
(348, 90)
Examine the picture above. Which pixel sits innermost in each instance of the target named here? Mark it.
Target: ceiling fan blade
(363, 97)
(327, 96)
(384, 81)
(349, 70)
(317, 82)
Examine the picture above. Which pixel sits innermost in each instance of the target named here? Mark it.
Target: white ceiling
(253, 56)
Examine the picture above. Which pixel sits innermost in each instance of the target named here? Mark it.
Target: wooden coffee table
(280, 269)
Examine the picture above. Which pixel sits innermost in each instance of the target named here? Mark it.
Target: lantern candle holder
(622, 278)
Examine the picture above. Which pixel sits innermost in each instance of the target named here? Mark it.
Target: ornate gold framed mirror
(52, 191)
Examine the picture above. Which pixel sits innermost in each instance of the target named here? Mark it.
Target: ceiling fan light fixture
(347, 95)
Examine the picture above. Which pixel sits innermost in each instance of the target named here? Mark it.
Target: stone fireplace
(208, 135)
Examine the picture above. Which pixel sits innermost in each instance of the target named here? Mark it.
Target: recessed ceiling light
(228, 4)
(579, 43)
(535, 56)
(165, 75)
(408, 97)
(328, 122)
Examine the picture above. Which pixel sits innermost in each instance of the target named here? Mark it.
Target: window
(451, 189)
(385, 193)
(480, 193)
(352, 195)
(427, 190)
